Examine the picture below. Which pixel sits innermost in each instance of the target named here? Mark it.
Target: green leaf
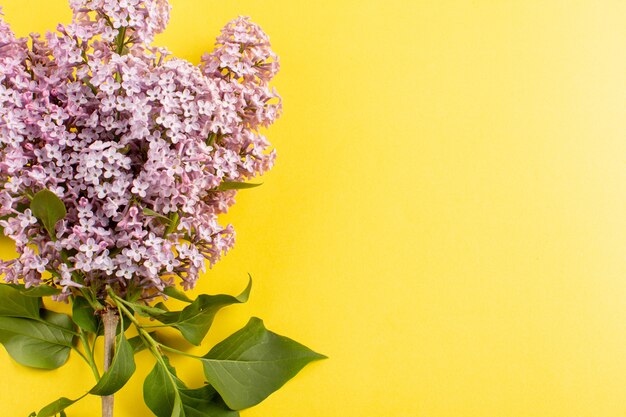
(174, 292)
(59, 320)
(40, 291)
(204, 402)
(233, 185)
(171, 221)
(168, 396)
(121, 369)
(160, 391)
(138, 344)
(57, 407)
(174, 221)
(15, 304)
(153, 213)
(178, 407)
(162, 306)
(253, 363)
(44, 344)
(211, 139)
(84, 315)
(195, 320)
(147, 311)
(49, 209)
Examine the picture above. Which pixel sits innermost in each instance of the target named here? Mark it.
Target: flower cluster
(136, 143)
(138, 20)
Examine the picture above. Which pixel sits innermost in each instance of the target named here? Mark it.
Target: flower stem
(179, 352)
(150, 342)
(110, 320)
(153, 346)
(121, 37)
(88, 354)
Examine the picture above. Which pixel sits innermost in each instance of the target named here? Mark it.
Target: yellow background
(446, 219)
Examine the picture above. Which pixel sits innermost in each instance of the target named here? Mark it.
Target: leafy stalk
(153, 345)
(88, 355)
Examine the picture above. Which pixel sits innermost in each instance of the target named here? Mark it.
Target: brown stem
(110, 320)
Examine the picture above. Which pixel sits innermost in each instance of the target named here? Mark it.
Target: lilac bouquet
(116, 160)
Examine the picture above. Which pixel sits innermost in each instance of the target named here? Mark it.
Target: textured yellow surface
(446, 220)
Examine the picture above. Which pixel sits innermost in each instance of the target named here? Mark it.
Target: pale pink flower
(121, 131)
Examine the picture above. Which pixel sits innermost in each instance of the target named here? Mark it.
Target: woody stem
(110, 320)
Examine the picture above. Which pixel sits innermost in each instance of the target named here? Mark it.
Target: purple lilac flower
(134, 141)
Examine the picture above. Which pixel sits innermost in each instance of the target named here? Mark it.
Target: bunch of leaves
(240, 372)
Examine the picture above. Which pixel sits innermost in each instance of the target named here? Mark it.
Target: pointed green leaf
(195, 320)
(138, 344)
(84, 315)
(162, 306)
(160, 391)
(253, 363)
(15, 304)
(233, 185)
(178, 410)
(168, 396)
(153, 213)
(59, 320)
(38, 344)
(204, 402)
(40, 291)
(49, 209)
(121, 369)
(177, 294)
(147, 311)
(57, 407)
(174, 220)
